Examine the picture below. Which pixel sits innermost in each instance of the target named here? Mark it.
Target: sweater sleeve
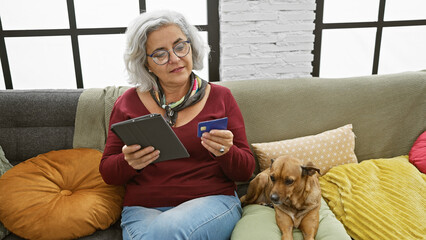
(113, 168)
(238, 163)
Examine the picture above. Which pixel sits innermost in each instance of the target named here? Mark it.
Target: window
(80, 43)
(363, 37)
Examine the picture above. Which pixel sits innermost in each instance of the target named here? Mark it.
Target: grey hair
(135, 58)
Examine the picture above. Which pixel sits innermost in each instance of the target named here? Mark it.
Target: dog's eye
(289, 181)
(272, 178)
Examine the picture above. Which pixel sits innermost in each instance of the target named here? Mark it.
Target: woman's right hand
(139, 158)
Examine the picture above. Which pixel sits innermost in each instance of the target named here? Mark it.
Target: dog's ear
(309, 170)
(272, 161)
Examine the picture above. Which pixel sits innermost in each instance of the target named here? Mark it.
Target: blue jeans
(211, 217)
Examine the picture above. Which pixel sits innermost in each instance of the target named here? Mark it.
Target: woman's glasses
(161, 57)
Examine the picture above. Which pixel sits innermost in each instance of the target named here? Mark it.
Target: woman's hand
(139, 158)
(218, 142)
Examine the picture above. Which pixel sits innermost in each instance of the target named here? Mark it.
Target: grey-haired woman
(187, 198)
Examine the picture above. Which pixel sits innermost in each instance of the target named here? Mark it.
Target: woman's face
(178, 69)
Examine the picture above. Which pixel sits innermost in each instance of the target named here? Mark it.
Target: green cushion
(258, 222)
(4, 163)
(4, 166)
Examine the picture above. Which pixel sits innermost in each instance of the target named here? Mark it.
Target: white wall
(266, 38)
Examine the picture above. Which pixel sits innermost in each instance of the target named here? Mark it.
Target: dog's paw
(267, 204)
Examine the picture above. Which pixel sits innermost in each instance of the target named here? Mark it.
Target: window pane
(405, 10)
(102, 60)
(30, 14)
(194, 10)
(41, 62)
(105, 13)
(347, 52)
(350, 10)
(403, 49)
(2, 85)
(204, 73)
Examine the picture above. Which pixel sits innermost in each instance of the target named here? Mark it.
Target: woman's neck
(174, 93)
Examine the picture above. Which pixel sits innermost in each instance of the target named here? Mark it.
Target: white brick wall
(263, 39)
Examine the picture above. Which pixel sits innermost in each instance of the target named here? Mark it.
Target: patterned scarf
(195, 94)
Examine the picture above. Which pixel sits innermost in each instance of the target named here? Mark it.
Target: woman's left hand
(218, 142)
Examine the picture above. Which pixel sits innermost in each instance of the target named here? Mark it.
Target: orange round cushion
(58, 195)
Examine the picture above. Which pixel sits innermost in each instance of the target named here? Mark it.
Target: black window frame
(212, 28)
(379, 25)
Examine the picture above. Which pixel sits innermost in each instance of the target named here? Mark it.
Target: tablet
(151, 130)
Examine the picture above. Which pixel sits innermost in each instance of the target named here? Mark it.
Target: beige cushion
(325, 150)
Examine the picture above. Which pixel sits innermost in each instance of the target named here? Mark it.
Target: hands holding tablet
(139, 158)
(213, 133)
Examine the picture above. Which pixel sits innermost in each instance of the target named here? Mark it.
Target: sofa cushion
(417, 155)
(92, 116)
(46, 122)
(386, 109)
(325, 150)
(58, 195)
(258, 222)
(378, 198)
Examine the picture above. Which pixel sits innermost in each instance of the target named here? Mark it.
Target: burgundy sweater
(170, 183)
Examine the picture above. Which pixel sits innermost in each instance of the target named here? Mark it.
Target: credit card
(206, 126)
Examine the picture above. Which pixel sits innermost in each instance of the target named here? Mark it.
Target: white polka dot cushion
(325, 150)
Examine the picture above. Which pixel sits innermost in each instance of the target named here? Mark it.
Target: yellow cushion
(378, 199)
(325, 150)
(58, 195)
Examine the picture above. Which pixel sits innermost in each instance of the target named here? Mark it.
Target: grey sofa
(38, 121)
(388, 112)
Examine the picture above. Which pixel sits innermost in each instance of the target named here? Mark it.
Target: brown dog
(294, 191)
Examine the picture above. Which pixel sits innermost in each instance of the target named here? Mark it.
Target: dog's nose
(275, 198)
